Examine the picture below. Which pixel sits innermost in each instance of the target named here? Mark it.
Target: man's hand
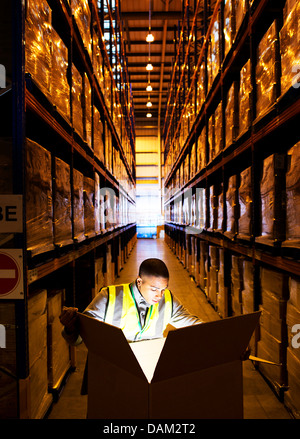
(69, 319)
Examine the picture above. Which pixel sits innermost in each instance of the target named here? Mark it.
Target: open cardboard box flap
(201, 363)
(184, 350)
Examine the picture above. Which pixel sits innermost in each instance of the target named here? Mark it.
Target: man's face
(152, 288)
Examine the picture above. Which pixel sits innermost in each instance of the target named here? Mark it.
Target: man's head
(152, 280)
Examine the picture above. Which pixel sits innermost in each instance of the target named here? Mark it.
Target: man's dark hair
(154, 267)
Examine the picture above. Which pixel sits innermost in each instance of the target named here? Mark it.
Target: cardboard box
(198, 373)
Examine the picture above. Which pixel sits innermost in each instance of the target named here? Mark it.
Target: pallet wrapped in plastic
(200, 87)
(87, 109)
(236, 284)
(245, 93)
(98, 135)
(245, 204)
(218, 130)
(211, 137)
(62, 204)
(265, 73)
(58, 350)
(77, 109)
(60, 88)
(292, 395)
(89, 209)
(97, 204)
(193, 169)
(78, 205)
(293, 198)
(222, 298)
(107, 87)
(39, 211)
(211, 208)
(201, 148)
(231, 115)
(97, 60)
(81, 11)
(40, 399)
(241, 7)
(212, 275)
(213, 55)
(289, 46)
(229, 24)
(203, 265)
(38, 44)
(231, 207)
(272, 200)
(108, 148)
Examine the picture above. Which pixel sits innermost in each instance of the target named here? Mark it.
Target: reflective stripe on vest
(158, 315)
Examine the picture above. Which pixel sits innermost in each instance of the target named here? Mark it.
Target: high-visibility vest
(125, 314)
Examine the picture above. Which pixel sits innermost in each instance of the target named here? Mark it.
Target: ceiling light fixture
(149, 87)
(149, 104)
(149, 66)
(148, 115)
(150, 37)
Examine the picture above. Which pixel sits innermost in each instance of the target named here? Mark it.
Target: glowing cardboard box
(195, 373)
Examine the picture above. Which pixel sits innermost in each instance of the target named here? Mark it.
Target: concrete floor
(259, 400)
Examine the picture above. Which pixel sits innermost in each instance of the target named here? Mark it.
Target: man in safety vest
(142, 309)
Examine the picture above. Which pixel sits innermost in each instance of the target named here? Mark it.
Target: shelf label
(11, 274)
(11, 214)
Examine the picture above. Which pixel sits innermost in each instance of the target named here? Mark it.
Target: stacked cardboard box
(39, 212)
(222, 302)
(38, 43)
(245, 204)
(109, 275)
(219, 209)
(77, 109)
(236, 284)
(289, 47)
(248, 298)
(8, 361)
(58, 350)
(60, 89)
(231, 208)
(78, 206)
(293, 197)
(40, 399)
(241, 7)
(200, 86)
(265, 71)
(203, 265)
(292, 396)
(245, 97)
(231, 115)
(211, 136)
(62, 204)
(89, 209)
(212, 275)
(272, 200)
(108, 148)
(99, 274)
(273, 337)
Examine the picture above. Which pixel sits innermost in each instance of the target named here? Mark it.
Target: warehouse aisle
(259, 400)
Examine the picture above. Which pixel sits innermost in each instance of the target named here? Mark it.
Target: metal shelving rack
(29, 113)
(275, 131)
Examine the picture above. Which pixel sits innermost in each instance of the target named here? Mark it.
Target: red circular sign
(9, 274)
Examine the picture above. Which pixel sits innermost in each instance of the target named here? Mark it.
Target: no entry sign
(11, 274)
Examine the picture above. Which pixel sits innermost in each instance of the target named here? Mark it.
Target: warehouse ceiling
(163, 17)
(135, 17)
